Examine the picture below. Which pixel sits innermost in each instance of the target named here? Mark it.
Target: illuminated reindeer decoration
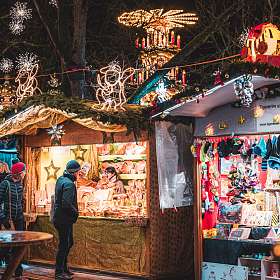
(27, 82)
(111, 93)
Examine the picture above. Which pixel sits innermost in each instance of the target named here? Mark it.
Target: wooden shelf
(133, 176)
(121, 157)
(272, 278)
(250, 259)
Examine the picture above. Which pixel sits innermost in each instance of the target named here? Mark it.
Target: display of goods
(229, 213)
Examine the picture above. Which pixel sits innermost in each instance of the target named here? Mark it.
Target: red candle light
(172, 38)
(178, 42)
(143, 43)
(137, 43)
(184, 77)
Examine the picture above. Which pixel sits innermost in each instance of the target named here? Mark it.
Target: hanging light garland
(53, 3)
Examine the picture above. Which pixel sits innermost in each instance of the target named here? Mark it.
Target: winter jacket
(15, 190)
(65, 205)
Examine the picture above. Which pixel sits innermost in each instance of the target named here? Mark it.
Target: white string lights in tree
(16, 27)
(27, 82)
(111, 92)
(243, 37)
(6, 65)
(18, 14)
(26, 61)
(53, 3)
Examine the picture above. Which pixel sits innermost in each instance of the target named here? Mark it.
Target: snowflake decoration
(16, 27)
(19, 12)
(26, 61)
(243, 37)
(56, 131)
(6, 65)
(53, 3)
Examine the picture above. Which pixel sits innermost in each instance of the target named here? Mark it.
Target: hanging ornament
(218, 78)
(111, 92)
(51, 171)
(241, 120)
(243, 37)
(56, 133)
(244, 90)
(27, 83)
(79, 152)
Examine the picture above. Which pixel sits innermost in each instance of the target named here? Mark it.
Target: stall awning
(217, 96)
(35, 117)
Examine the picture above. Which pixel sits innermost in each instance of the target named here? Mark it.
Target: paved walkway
(43, 273)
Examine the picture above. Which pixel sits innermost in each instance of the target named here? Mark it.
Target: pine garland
(132, 118)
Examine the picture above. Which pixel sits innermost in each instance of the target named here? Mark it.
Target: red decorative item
(218, 79)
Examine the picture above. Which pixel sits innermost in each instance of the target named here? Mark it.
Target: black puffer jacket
(16, 191)
(65, 206)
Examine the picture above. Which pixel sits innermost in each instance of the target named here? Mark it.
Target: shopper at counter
(65, 215)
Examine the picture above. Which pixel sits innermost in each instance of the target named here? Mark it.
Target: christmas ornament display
(244, 90)
(111, 92)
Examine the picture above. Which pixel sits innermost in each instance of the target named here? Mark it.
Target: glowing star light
(56, 131)
(16, 27)
(19, 12)
(6, 65)
(153, 18)
(111, 80)
(26, 61)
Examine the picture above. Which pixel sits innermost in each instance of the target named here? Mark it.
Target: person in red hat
(11, 197)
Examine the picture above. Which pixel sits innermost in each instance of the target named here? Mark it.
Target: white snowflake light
(20, 12)
(26, 61)
(16, 27)
(53, 3)
(6, 65)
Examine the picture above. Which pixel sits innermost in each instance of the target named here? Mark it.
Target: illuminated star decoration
(26, 61)
(151, 19)
(79, 153)
(56, 131)
(51, 171)
(18, 14)
(111, 80)
(6, 65)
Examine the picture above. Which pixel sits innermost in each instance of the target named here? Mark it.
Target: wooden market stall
(114, 233)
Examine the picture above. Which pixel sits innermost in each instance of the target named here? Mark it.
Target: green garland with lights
(132, 118)
(202, 82)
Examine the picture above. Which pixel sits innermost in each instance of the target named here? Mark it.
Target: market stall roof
(30, 120)
(215, 97)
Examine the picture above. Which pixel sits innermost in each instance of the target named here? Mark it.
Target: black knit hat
(73, 166)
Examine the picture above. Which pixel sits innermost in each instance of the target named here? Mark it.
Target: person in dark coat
(65, 215)
(11, 197)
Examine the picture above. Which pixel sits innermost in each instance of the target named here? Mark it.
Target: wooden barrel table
(19, 241)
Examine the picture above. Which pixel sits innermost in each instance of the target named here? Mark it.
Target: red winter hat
(18, 168)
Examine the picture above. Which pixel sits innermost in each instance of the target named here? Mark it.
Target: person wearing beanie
(11, 197)
(65, 214)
